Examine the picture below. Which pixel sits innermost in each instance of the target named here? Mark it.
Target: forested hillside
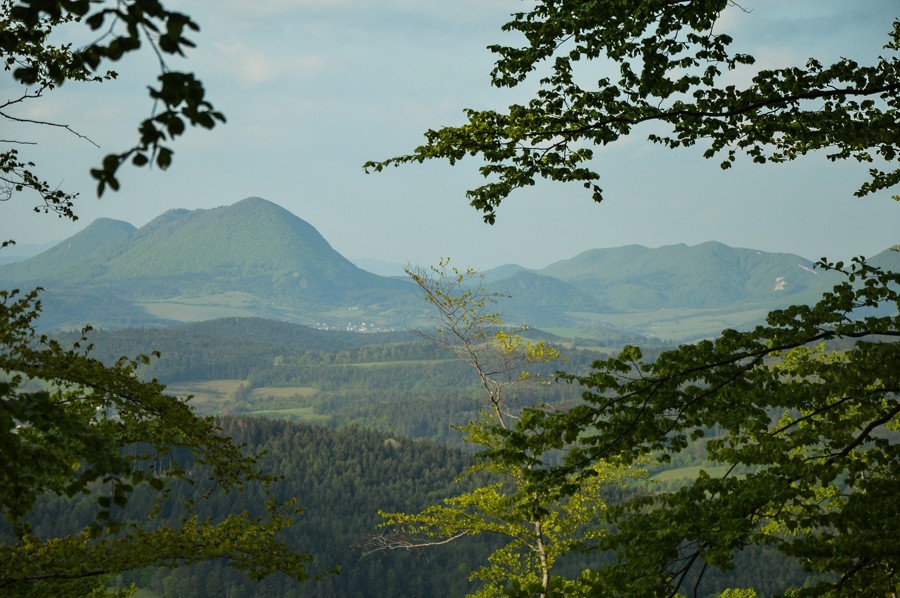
(191, 265)
(224, 348)
(342, 478)
(388, 381)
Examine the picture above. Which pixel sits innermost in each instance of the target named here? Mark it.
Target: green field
(691, 473)
(205, 392)
(673, 324)
(219, 396)
(207, 307)
(282, 392)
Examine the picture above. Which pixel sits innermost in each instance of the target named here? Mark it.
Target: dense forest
(348, 422)
(354, 424)
(394, 382)
(383, 399)
(342, 478)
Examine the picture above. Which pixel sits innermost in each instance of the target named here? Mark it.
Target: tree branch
(49, 124)
(385, 542)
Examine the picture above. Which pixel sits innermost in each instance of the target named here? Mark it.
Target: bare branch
(395, 542)
(49, 124)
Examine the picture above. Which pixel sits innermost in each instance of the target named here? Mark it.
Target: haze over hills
(256, 259)
(18, 252)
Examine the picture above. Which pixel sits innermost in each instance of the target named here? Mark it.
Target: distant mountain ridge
(252, 246)
(256, 259)
(252, 258)
(65, 260)
(709, 275)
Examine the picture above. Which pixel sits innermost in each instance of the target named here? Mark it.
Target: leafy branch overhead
(71, 426)
(801, 413)
(672, 67)
(29, 31)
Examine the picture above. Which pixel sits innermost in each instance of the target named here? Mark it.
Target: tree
(672, 66)
(536, 530)
(33, 47)
(809, 431)
(803, 410)
(70, 425)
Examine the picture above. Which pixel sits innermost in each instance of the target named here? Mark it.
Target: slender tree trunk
(542, 556)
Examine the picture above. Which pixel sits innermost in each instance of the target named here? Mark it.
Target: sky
(312, 89)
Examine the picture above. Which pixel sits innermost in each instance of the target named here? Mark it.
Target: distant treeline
(394, 382)
(236, 347)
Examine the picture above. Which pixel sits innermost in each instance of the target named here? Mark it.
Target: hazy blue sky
(314, 88)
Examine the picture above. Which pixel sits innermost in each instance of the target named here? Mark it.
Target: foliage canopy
(30, 47)
(802, 410)
(70, 425)
(535, 530)
(662, 62)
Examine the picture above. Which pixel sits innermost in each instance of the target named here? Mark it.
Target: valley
(307, 392)
(304, 357)
(356, 424)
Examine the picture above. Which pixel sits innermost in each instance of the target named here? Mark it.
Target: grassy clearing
(679, 323)
(181, 312)
(212, 397)
(206, 307)
(691, 473)
(279, 392)
(205, 391)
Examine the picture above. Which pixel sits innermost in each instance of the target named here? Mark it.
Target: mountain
(541, 301)
(252, 258)
(252, 246)
(502, 272)
(677, 292)
(889, 259)
(66, 260)
(710, 276)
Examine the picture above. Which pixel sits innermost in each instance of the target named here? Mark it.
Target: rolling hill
(710, 275)
(256, 259)
(252, 258)
(542, 301)
(67, 261)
